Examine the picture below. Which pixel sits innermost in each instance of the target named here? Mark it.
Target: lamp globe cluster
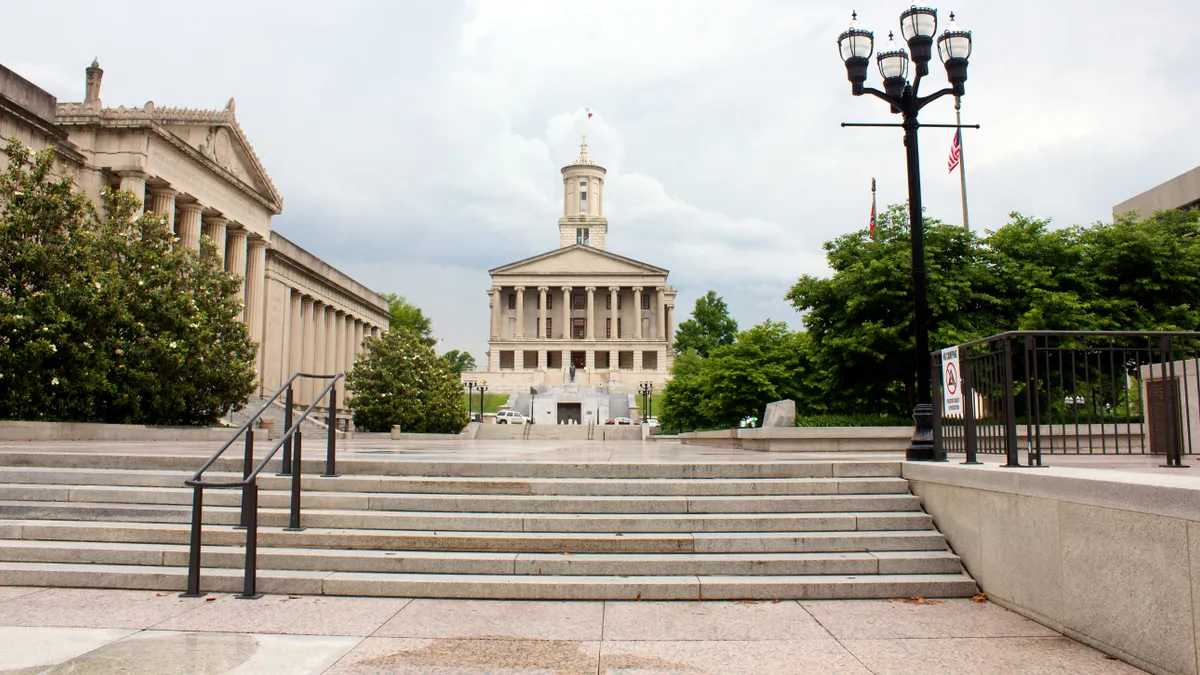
(918, 26)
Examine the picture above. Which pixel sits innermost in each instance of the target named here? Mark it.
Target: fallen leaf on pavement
(982, 597)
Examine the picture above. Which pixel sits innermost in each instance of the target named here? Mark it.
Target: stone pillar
(256, 263)
(519, 332)
(306, 363)
(189, 225)
(134, 180)
(614, 301)
(660, 309)
(543, 358)
(162, 203)
(348, 342)
(358, 337)
(566, 329)
(339, 353)
(542, 313)
(566, 365)
(589, 362)
(637, 315)
(518, 360)
(670, 325)
(235, 260)
(376, 332)
(296, 330)
(614, 359)
(495, 312)
(214, 228)
(591, 311)
(320, 309)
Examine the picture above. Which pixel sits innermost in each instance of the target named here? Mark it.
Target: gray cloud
(417, 144)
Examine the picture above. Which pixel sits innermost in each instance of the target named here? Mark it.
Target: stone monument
(780, 414)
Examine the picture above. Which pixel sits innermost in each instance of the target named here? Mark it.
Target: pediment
(225, 146)
(578, 259)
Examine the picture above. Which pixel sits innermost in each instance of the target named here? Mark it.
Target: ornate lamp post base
(920, 447)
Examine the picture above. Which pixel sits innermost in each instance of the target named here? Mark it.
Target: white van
(511, 417)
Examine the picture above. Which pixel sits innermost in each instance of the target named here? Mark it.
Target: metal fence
(1077, 392)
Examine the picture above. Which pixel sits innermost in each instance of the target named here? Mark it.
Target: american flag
(955, 152)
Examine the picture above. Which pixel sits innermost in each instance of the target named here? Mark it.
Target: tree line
(854, 355)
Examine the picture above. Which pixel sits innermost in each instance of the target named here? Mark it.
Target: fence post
(1033, 402)
(250, 581)
(970, 437)
(297, 471)
(1010, 409)
(1173, 420)
(193, 580)
(935, 372)
(331, 443)
(287, 425)
(247, 467)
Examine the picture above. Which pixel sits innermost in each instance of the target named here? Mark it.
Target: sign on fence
(951, 382)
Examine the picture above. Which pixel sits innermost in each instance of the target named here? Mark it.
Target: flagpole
(962, 166)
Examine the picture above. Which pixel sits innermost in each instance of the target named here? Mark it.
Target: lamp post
(918, 25)
(470, 400)
(645, 388)
(482, 387)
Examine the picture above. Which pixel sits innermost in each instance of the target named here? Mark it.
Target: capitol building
(609, 316)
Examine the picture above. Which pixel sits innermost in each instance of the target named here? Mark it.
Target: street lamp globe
(856, 45)
(918, 25)
(893, 66)
(954, 48)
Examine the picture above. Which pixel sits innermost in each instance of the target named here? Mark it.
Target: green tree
(407, 315)
(399, 379)
(103, 319)
(709, 328)
(461, 361)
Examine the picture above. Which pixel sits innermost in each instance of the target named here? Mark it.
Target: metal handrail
(292, 439)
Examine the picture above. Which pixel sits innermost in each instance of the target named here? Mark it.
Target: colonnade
(321, 339)
(661, 311)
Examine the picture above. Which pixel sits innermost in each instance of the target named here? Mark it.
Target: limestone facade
(1181, 192)
(197, 169)
(611, 316)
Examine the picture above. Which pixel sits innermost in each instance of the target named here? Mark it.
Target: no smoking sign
(951, 382)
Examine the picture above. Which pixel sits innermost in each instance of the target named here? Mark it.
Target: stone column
(214, 228)
(306, 364)
(614, 301)
(358, 337)
(566, 329)
(320, 309)
(339, 354)
(376, 332)
(591, 312)
(495, 312)
(256, 263)
(660, 309)
(542, 312)
(637, 315)
(162, 203)
(348, 343)
(296, 330)
(670, 325)
(235, 260)
(134, 180)
(519, 332)
(189, 225)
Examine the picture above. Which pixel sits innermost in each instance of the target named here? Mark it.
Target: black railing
(1070, 392)
(291, 441)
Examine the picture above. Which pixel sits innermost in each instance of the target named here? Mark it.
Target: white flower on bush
(53, 349)
(172, 344)
(54, 381)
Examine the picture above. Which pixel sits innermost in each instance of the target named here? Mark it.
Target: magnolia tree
(400, 380)
(103, 318)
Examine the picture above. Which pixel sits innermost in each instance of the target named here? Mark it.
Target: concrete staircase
(513, 529)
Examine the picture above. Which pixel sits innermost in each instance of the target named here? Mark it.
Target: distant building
(197, 169)
(609, 316)
(1181, 192)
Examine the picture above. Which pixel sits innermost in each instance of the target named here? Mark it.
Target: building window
(581, 236)
(645, 302)
(578, 328)
(539, 330)
(530, 360)
(512, 301)
(578, 301)
(583, 196)
(608, 328)
(618, 326)
(549, 302)
(549, 327)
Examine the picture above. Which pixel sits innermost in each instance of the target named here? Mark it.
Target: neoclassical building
(610, 316)
(197, 169)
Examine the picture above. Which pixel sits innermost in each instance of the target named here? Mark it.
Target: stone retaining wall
(86, 431)
(1109, 558)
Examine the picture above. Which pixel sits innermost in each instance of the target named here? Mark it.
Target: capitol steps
(513, 529)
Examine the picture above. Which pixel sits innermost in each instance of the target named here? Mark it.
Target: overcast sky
(418, 144)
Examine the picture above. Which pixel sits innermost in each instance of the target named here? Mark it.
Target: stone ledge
(87, 431)
(804, 439)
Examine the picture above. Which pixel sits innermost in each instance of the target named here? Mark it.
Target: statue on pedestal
(572, 372)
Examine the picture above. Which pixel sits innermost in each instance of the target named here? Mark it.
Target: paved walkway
(101, 632)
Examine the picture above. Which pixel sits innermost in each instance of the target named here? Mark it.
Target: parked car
(620, 420)
(511, 417)
(650, 421)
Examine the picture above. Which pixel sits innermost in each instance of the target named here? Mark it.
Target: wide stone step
(438, 562)
(648, 487)
(525, 587)
(278, 499)
(491, 522)
(359, 464)
(516, 542)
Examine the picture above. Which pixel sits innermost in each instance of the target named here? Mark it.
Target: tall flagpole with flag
(872, 208)
(956, 159)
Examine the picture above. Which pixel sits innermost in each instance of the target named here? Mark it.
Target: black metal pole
(920, 448)
(193, 581)
(970, 434)
(247, 467)
(287, 425)
(331, 444)
(250, 580)
(1010, 410)
(297, 471)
